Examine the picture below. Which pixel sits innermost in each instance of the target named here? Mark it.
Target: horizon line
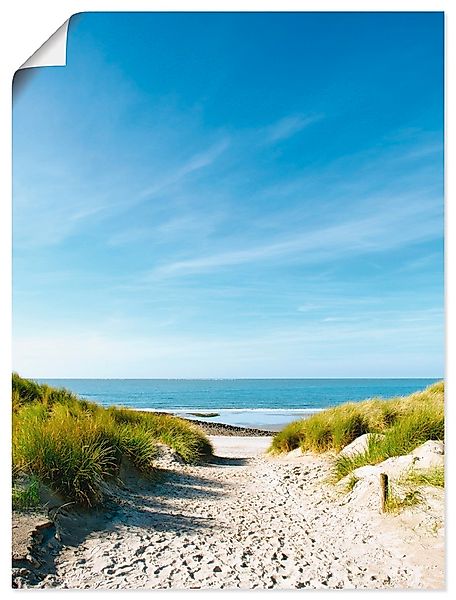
(227, 378)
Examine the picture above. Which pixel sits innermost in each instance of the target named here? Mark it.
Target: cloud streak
(353, 237)
(197, 162)
(289, 126)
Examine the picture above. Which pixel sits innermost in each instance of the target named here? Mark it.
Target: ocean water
(264, 403)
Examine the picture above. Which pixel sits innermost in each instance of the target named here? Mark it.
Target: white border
(53, 52)
(24, 26)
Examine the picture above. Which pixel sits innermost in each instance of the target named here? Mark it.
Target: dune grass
(352, 481)
(410, 430)
(396, 502)
(185, 438)
(404, 423)
(74, 446)
(406, 491)
(434, 476)
(26, 494)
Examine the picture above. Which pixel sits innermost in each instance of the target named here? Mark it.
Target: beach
(244, 520)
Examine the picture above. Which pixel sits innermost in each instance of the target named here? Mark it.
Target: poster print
(228, 304)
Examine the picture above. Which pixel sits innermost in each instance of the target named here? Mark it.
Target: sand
(251, 521)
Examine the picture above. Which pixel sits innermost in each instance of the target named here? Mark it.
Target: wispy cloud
(342, 319)
(289, 126)
(195, 224)
(307, 307)
(47, 217)
(355, 236)
(196, 162)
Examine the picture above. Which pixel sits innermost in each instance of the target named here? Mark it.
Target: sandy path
(246, 521)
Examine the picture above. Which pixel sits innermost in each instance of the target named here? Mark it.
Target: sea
(261, 403)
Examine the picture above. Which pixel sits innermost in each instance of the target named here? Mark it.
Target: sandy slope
(248, 521)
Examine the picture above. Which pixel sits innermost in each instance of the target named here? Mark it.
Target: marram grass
(395, 502)
(26, 493)
(404, 423)
(434, 476)
(74, 446)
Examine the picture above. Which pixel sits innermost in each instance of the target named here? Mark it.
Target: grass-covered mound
(74, 445)
(404, 422)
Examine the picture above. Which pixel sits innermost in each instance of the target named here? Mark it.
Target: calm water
(247, 402)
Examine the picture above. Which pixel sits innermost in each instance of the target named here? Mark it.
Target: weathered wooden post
(383, 490)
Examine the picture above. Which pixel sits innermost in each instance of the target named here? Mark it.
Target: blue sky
(232, 195)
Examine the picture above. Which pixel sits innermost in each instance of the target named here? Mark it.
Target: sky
(232, 195)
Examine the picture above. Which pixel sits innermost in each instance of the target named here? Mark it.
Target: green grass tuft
(187, 439)
(405, 423)
(395, 503)
(26, 494)
(434, 476)
(417, 425)
(352, 481)
(73, 445)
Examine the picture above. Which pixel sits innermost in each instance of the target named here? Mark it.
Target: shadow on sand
(139, 502)
(226, 461)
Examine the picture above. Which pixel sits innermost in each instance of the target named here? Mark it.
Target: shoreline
(214, 428)
(224, 429)
(236, 421)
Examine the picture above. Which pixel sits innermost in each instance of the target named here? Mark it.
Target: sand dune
(249, 521)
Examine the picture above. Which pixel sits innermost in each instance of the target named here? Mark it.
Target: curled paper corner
(52, 53)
